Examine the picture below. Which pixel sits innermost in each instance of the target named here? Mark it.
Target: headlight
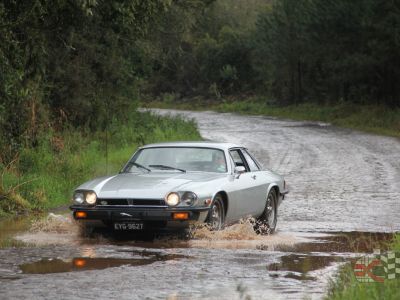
(91, 198)
(78, 198)
(189, 198)
(172, 199)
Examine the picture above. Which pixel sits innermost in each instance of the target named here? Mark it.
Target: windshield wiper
(167, 168)
(138, 165)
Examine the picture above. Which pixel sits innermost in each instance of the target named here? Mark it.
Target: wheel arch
(225, 200)
(275, 187)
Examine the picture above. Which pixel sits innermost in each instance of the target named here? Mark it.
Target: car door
(246, 191)
(260, 186)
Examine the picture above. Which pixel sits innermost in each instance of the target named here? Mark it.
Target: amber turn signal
(180, 216)
(79, 262)
(80, 215)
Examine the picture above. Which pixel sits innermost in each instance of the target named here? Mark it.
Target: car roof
(200, 144)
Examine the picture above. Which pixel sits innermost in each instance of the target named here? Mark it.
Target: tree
(67, 60)
(281, 49)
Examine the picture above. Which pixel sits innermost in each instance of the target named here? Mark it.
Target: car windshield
(178, 159)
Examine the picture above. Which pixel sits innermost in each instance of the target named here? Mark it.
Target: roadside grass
(44, 177)
(369, 118)
(10, 242)
(346, 286)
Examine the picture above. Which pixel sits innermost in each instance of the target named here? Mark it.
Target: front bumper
(112, 214)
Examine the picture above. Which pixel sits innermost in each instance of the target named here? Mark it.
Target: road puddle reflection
(343, 242)
(9, 228)
(303, 260)
(46, 266)
(298, 266)
(57, 265)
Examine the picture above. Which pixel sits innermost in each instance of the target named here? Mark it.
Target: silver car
(170, 185)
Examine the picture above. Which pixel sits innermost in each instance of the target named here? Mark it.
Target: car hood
(153, 185)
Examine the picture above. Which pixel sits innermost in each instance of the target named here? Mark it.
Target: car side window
(250, 161)
(238, 159)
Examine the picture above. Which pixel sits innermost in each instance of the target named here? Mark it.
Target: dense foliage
(323, 51)
(68, 80)
(86, 62)
(66, 62)
(332, 50)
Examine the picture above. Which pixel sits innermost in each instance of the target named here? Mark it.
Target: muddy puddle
(243, 263)
(9, 228)
(57, 265)
(286, 265)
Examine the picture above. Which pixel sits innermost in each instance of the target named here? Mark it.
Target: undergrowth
(42, 177)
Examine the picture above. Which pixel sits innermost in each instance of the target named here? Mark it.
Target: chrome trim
(125, 214)
(132, 206)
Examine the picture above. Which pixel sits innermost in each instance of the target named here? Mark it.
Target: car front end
(175, 210)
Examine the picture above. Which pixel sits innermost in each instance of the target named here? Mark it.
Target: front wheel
(215, 219)
(85, 230)
(266, 223)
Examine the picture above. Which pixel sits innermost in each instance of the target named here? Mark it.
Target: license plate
(128, 226)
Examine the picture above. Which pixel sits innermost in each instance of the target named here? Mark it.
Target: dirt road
(340, 180)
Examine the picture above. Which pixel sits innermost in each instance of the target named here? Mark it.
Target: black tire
(216, 216)
(266, 223)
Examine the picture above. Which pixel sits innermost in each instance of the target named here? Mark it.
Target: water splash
(62, 230)
(241, 231)
(51, 230)
(54, 224)
(238, 236)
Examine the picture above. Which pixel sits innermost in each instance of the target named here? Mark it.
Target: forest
(80, 62)
(78, 66)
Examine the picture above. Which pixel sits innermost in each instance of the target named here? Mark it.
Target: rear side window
(250, 161)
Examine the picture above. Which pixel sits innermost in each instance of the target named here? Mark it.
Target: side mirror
(239, 170)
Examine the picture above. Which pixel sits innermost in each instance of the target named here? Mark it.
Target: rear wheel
(266, 223)
(216, 216)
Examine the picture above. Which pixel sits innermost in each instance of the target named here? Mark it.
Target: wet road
(339, 180)
(344, 188)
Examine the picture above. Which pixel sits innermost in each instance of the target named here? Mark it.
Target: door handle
(254, 177)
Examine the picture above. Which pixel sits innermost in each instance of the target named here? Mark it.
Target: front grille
(139, 202)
